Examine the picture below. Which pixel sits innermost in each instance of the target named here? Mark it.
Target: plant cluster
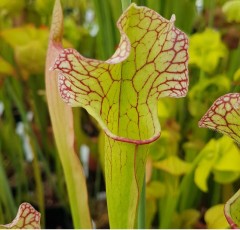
(181, 179)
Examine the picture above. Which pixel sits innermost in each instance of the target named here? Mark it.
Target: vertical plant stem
(125, 4)
(142, 207)
(63, 128)
(142, 201)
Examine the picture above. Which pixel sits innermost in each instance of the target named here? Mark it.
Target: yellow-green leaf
(232, 10)
(173, 165)
(44, 6)
(186, 219)
(229, 159)
(27, 218)
(205, 165)
(225, 177)
(155, 189)
(29, 44)
(236, 76)
(215, 218)
(220, 157)
(6, 69)
(206, 49)
(12, 7)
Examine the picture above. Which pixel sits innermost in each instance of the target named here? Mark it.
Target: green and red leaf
(27, 218)
(121, 93)
(232, 211)
(224, 116)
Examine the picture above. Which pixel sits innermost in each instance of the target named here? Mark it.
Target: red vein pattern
(231, 212)
(224, 116)
(27, 218)
(122, 92)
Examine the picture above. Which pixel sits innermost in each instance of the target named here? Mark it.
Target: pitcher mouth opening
(132, 141)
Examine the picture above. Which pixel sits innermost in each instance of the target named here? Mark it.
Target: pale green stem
(142, 202)
(142, 207)
(125, 4)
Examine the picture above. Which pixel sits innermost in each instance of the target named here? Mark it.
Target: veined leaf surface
(27, 218)
(224, 116)
(121, 93)
(232, 211)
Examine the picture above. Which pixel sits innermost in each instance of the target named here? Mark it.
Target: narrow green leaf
(205, 165)
(63, 128)
(27, 218)
(173, 165)
(214, 217)
(151, 209)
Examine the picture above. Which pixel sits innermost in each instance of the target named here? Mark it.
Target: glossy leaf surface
(27, 218)
(224, 116)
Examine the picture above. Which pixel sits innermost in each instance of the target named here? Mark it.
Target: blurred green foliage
(191, 171)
